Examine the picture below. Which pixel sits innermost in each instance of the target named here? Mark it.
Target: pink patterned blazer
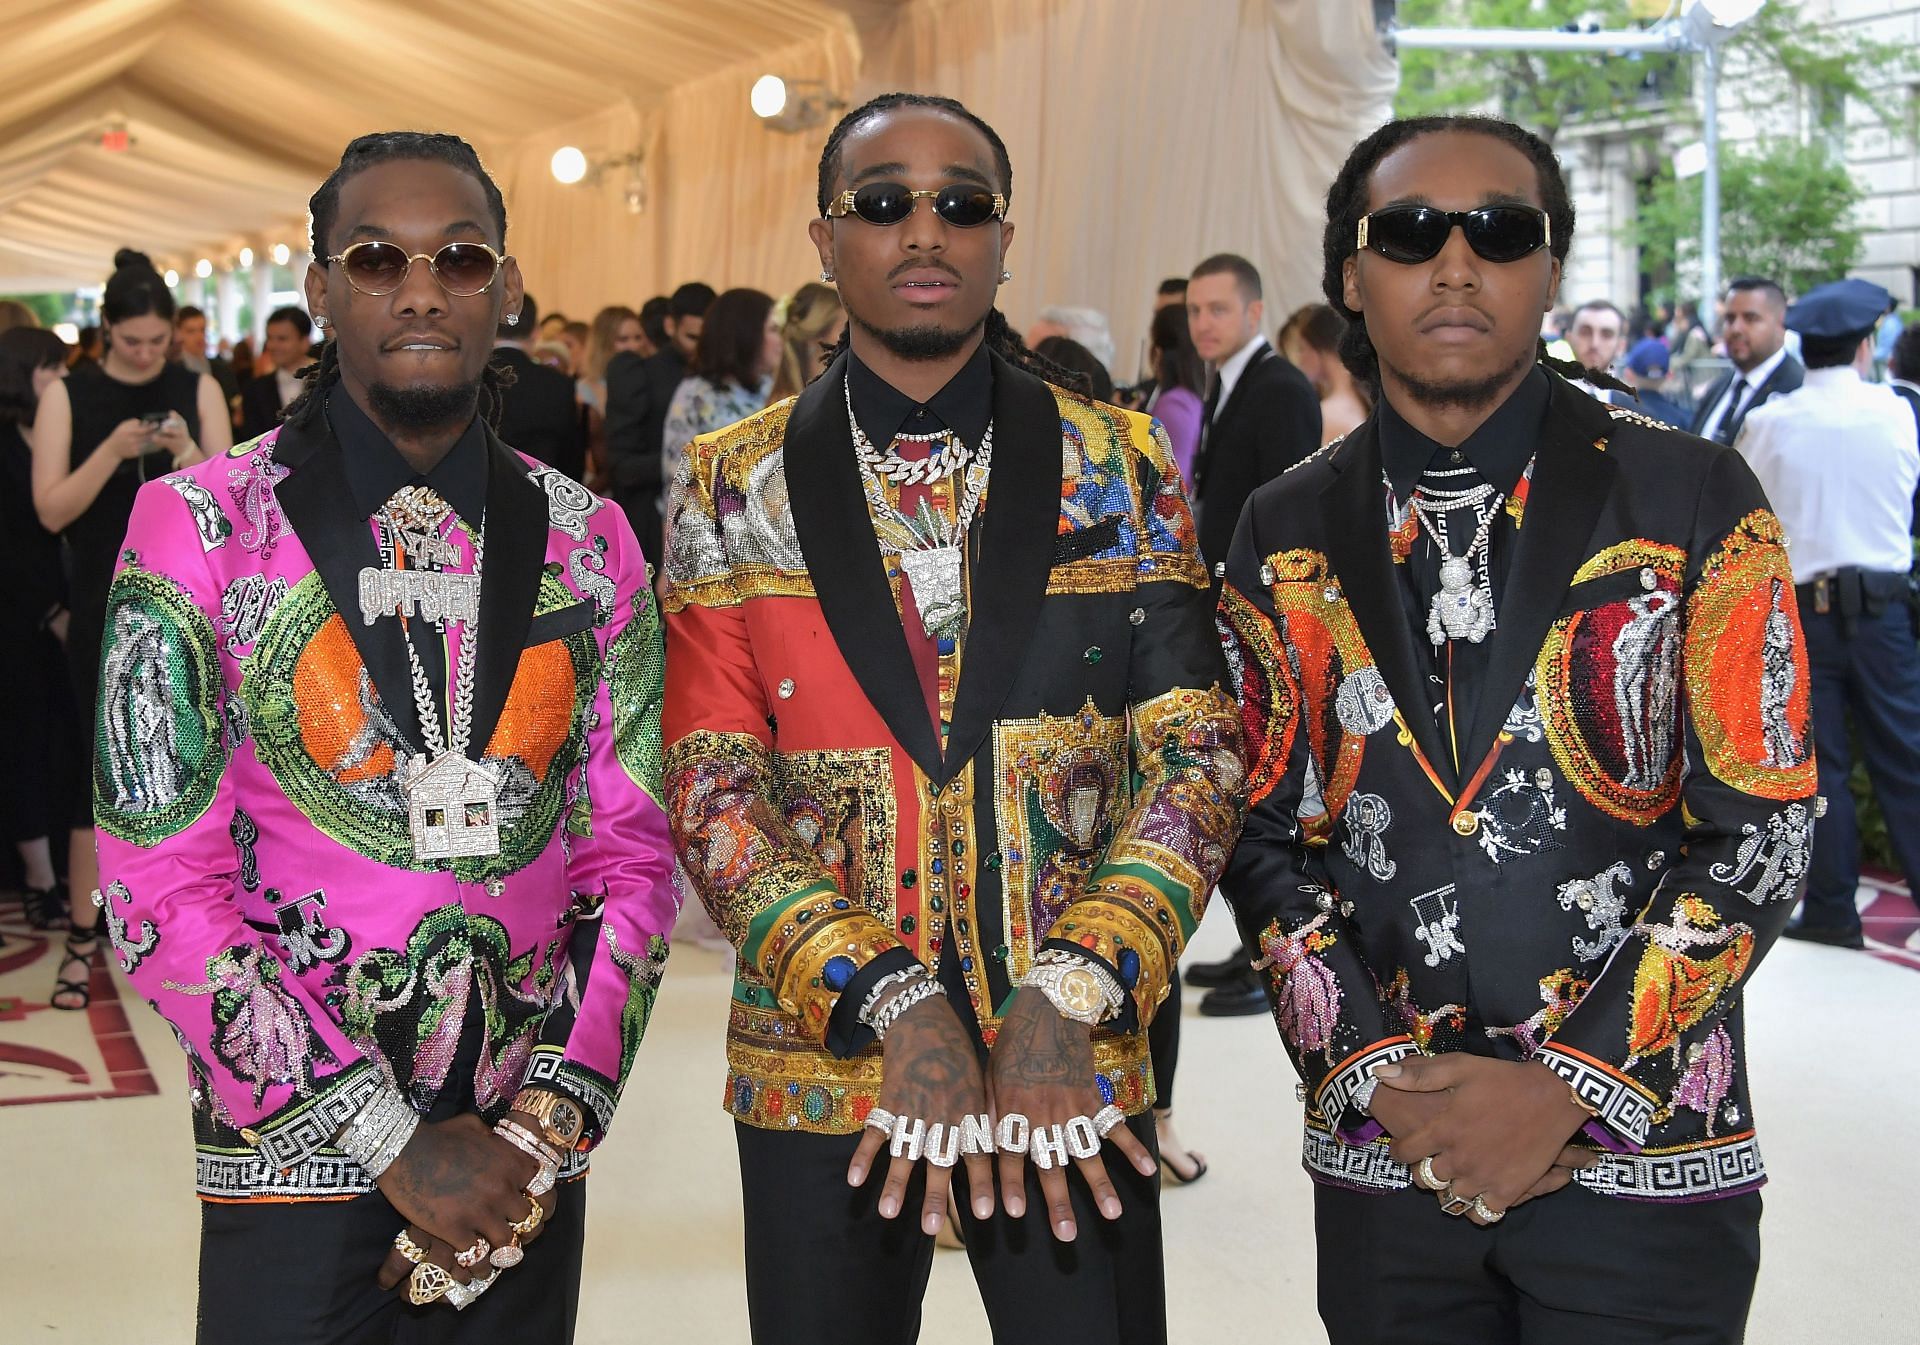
(259, 878)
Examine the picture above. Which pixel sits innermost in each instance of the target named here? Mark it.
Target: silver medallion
(935, 573)
(452, 807)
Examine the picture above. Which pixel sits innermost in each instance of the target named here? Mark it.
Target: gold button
(1466, 823)
(251, 1136)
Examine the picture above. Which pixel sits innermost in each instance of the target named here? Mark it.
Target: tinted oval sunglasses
(962, 205)
(376, 268)
(1410, 234)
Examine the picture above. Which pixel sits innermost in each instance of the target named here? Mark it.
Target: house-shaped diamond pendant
(452, 808)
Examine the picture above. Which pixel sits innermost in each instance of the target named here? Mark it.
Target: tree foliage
(1786, 212)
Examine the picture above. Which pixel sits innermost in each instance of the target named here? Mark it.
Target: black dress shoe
(1238, 998)
(1206, 975)
(1837, 936)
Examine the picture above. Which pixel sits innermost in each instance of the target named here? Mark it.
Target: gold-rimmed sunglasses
(962, 204)
(376, 268)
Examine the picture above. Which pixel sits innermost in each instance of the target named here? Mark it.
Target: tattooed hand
(460, 1182)
(932, 1074)
(1042, 1068)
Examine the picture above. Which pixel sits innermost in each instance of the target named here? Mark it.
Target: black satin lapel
(318, 502)
(843, 559)
(516, 549)
(1356, 534)
(1571, 478)
(1019, 528)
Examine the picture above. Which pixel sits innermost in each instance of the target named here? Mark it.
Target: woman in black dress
(40, 765)
(96, 438)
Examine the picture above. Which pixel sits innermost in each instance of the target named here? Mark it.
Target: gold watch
(561, 1120)
(1074, 987)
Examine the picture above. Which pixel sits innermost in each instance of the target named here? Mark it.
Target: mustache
(922, 264)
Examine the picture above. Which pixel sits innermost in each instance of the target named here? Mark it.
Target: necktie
(1206, 433)
(1730, 419)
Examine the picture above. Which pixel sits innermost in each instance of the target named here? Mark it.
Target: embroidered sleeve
(764, 887)
(1291, 919)
(1142, 902)
(1648, 1039)
(163, 800)
(621, 854)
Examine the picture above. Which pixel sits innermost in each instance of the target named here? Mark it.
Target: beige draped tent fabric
(1144, 133)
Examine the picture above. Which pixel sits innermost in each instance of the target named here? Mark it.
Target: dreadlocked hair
(1005, 342)
(1347, 203)
(363, 153)
(836, 139)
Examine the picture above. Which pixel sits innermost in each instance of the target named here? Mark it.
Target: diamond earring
(513, 319)
(1005, 276)
(319, 319)
(826, 277)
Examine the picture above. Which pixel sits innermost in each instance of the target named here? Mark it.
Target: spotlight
(792, 105)
(172, 277)
(203, 268)
(246, 258)
(569, 165)
(282, 254)
(769, 96)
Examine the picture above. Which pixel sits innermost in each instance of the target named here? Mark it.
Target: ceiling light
(203, 268)
(172, 277)
(282, 254)
(769, 96)
(569, 165)
(246, 258)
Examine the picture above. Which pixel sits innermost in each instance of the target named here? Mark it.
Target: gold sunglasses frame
(845, 203)
(340, 257)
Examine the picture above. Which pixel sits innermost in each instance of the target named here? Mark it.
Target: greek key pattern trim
(1368, 1166)
(1688, 1174)
(291, 1139)
(1336, 1094)
(1623, 1109)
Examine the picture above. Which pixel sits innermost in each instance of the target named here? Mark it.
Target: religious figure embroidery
(1777, 679)
(143, 764)
(1646, 656)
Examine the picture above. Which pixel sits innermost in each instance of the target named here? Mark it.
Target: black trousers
(823, 1268)
(1163, 1044)
(1571, 1268)
(302, 1273)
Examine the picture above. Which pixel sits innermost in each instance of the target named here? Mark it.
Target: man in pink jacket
(376, 782)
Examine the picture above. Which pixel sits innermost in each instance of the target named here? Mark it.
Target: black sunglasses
(1409, 234)
(962, 205)
(463, 269)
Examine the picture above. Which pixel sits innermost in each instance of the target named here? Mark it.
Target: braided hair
(1000, 336)
(1347, 203)
(366, 152)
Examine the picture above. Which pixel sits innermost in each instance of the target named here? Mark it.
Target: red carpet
(1889, 919)
(49, 1055)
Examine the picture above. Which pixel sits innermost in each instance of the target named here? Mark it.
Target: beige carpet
(100, 1230)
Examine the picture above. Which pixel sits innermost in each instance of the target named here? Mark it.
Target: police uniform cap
(1844, 308)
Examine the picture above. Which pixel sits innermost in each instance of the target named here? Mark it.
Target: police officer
(1838, 459)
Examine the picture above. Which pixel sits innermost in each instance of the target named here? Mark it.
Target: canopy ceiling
(237, 108)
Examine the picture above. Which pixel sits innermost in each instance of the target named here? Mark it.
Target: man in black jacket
(541, 415)
(1262, 417)
(1755, 330)
(638, 392)
(263, 399)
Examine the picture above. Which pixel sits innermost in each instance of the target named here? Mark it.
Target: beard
(1465, 394)
(921, 343)
(424, 408)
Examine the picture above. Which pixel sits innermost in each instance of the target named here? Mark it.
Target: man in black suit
(541, 415)
(638, 391)
(263, 399)
(1755, 330)
(1262, 417)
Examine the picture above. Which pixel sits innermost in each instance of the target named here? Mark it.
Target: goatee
(423, 408)
(1466, 394)
(921, 343)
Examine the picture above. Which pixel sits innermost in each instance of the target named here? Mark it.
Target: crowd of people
(960, 843)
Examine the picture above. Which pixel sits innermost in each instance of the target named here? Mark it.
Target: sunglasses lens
(375, 268)
(464, 268)
(1407, 236)
(1505, 233)
(964, 207)
(883, 203)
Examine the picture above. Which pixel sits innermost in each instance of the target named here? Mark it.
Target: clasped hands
(1483, 1135)
(1040, 1068)
(463, 1189)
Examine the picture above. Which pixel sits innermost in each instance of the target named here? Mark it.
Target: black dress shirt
(964, 405)
(1498, 452)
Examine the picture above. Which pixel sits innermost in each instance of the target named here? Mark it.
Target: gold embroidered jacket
(1622, 841)
(1091, 785)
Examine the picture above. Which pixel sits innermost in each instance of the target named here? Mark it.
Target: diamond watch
(1078, 988)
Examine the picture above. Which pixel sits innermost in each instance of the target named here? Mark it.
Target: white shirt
(1838, 459)
(1231, 369)
(289, 383)
(1753, 378)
